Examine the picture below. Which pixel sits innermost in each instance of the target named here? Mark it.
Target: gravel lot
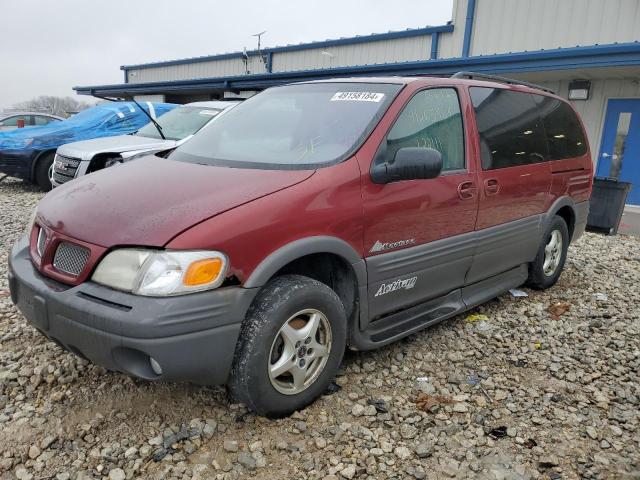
(522, 393)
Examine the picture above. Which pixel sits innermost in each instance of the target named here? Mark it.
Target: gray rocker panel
(436, 268)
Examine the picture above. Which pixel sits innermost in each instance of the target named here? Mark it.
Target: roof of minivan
(393, 80)
(435, 80)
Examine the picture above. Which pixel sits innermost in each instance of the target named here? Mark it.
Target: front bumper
(192, 337)
(17, 163)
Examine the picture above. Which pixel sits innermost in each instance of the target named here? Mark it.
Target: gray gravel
(519, 394)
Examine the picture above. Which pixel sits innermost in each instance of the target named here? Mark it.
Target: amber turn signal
(202, 272)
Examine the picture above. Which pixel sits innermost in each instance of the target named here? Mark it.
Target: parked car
(28, 153)
(79, 158)
(13, 120)
(310, 218)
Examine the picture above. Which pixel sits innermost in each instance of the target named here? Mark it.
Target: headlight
(160, 273)
(134, 155)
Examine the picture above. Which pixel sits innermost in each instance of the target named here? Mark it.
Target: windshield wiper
(156, 124)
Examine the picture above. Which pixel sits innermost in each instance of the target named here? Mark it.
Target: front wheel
(290, 346)
(545, 270)
(43, 173)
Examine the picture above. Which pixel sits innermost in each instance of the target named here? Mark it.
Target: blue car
(28, 153)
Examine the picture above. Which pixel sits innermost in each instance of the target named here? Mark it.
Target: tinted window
(41, 120)
(565, 137)
(13, 121)
(431, 119)
(510, 128)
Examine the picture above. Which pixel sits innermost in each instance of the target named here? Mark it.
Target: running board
(398, 325)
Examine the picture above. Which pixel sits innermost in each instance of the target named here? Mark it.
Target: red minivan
(310, 218)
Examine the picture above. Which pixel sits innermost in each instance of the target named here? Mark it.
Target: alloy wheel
(300, 351)
(50, 173)
(552, 253)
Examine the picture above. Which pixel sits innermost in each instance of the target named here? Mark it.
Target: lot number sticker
(357, 97)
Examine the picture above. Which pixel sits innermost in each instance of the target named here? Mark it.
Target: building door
(620, 147)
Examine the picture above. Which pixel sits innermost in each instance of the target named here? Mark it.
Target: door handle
(605, 155)
(491, 186)
(466, 190)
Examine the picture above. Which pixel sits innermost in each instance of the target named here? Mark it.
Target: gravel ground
(527, 391)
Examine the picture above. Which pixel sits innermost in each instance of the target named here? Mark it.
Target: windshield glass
(179, 123)
(295, 126)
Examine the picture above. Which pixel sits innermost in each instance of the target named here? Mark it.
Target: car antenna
(153, 120)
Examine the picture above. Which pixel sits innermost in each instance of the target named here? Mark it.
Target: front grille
(70, 258)
(42, 240)
(60, 179)
(64, 168)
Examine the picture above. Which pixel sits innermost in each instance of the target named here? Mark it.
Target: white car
(176, 127)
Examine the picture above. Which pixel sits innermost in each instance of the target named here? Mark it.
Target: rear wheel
(545, 270)
(43, 173)
(290, 346)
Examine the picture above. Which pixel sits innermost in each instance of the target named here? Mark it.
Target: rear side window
(42, 120)
(431, 119)
(510, 128)
(565, 137)
(13, 121)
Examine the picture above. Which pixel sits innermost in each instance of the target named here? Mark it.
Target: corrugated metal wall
(450, 44)
(149, 98)
(502, 26)
(592, 111)
(185, 71)
(370, 53)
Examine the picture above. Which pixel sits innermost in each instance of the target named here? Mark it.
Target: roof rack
(496, 78)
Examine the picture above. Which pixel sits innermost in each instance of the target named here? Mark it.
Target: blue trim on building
(623, 54)
(468, 28)
(412, 32)
(434, 45)
(269, 62)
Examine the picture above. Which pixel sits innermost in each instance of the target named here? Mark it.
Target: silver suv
(172, 130)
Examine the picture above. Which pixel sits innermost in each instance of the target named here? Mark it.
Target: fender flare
(307, 246)
(563, 201)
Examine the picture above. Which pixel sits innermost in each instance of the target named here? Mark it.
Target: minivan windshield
(292, 127)
(180, 122)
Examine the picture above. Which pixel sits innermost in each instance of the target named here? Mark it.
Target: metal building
(587, 51)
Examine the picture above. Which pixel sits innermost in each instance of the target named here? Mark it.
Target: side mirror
(409, 163)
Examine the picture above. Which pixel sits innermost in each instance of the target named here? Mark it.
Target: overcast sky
(50, 46)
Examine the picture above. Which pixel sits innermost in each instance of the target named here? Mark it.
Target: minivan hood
(151, 200)
(86, 149)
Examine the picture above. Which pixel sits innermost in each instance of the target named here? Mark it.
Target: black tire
(538, 279)
(278, 301)
(41, 172)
